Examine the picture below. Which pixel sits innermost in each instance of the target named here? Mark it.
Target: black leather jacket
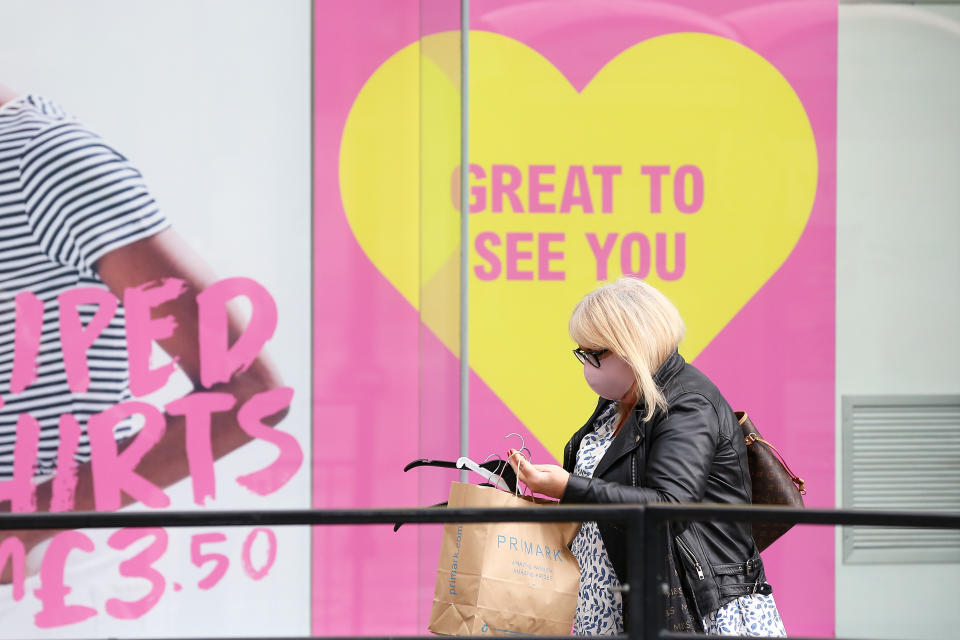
(695, 452)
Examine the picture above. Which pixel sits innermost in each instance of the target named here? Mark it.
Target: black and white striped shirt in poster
(66, 199)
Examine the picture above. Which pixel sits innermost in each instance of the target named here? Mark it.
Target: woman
(661, 432)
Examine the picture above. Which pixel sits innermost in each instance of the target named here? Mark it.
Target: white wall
(898, 265)
(211, 99)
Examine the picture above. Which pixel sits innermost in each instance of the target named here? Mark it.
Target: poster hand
(15, 545)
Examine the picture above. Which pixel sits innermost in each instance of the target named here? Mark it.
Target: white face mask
(612, 380)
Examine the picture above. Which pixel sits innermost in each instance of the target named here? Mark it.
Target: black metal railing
(643, 524)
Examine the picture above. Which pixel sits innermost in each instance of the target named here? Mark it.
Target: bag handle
(752, 437)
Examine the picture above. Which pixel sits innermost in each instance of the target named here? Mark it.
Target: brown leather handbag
(773, 482)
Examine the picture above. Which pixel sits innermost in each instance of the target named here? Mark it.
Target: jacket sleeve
(680, 457)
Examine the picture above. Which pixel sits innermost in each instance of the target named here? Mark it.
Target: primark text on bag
(504, 577)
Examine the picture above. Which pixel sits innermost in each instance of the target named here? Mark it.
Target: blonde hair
(636, 322)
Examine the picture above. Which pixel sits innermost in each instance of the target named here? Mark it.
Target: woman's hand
(546, 479)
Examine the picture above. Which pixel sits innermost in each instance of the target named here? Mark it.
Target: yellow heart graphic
(688, 160)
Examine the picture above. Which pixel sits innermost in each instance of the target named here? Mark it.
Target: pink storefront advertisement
(689, 143)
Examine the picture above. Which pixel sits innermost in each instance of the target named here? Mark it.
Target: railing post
(636, 530)
(654, 552)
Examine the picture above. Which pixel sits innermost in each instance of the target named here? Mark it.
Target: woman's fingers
(514, 458)
(520, 466)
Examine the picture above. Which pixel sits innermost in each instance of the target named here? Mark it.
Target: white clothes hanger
(466, 463)
(522, 446)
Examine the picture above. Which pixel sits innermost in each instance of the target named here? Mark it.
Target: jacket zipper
(692, 558)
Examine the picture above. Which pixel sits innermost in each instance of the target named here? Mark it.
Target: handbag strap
(752, 437)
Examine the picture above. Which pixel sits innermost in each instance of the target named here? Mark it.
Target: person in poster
(81, 235)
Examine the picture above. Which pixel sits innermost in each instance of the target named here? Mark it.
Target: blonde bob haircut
(636, 322)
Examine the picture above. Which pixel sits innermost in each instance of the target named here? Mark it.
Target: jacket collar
(629, 438)
(573, 445)
(670, 368)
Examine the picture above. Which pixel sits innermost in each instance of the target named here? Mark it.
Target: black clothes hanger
(499, 467)
(424, 462)
(397, 525)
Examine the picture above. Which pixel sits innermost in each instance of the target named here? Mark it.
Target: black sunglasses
(589, 357)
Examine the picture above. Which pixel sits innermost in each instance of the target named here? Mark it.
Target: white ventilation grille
(901, 453)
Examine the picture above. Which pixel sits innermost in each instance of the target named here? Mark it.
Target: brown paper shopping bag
(504, 577)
